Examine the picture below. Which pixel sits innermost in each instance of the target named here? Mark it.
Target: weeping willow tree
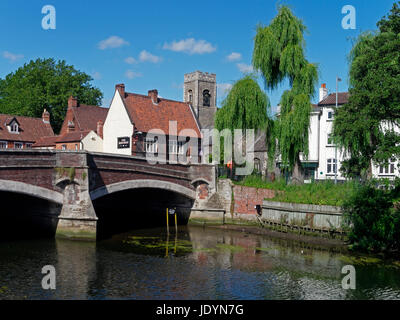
(245, 107)
(279, 55)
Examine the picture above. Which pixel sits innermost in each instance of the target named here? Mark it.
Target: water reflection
(196, 263)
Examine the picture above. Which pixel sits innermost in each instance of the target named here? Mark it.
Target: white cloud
(234, 56)
(131, 74)
(245, 68)
(190, 46)
(146, 56)
(96, 75)
(112, 42)
(12, 57)
(224, 88)
(130, 60)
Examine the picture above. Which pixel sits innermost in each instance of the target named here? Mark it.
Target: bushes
(321, 193)
(371, 218)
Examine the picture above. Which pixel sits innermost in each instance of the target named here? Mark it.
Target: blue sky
(151, 45)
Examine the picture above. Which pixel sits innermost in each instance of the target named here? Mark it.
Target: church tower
(200, 90)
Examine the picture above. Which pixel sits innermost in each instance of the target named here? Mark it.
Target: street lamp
(336, 159)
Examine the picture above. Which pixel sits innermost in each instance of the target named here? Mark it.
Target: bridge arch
(142, 184)
(31, 190)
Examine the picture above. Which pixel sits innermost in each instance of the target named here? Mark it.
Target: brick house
(17, 132)
(82, 129)
(147, 124)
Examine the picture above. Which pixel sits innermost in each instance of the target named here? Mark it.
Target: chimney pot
(72, 102)
(121, 88)
(153, 94)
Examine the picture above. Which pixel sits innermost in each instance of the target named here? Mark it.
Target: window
(3, 145)
(151, 146)
(190, 96)
(76, 147)
(206, 98)
(18, 145)
(64, 147)
(331, 168)
(330, 139)
(28, 145)
(389, 168)
(330, 115)
(14, 127)
(257, 165)
(176, 147)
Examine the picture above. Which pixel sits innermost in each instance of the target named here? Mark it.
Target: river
(198, 263)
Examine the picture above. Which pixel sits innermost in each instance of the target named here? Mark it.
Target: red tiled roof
(86, 117)
(146, 115)
(31, 129)
(343, 97)
(74, 136)
(46, 142)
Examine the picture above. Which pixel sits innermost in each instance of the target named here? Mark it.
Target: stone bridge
(80, 192)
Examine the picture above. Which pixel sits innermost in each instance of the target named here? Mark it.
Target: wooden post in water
(176, 224)
(167, 222)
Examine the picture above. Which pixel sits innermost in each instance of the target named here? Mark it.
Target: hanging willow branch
(279, 55)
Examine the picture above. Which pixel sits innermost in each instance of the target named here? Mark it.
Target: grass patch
(321, 193)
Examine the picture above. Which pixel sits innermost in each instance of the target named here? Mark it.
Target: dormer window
(14, 128)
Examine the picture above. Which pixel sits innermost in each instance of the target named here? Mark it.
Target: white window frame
(151, 146)
(331, 166)
(4, 143)
(64, 147)
(176, 147)
(389, 169)
(14, 128)
(332, 115)
(18, 143)
(330, 137)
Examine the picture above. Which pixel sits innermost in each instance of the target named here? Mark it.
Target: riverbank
(255, 228)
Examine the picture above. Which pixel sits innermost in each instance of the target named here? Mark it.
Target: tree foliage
(245, 107)
(364, 127)
(45, 83)
(279, 55)
(372, 217)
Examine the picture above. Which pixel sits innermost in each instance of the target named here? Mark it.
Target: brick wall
(246, 198)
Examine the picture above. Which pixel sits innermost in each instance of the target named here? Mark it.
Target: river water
(198, 263)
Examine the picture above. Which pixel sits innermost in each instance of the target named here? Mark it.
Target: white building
(321, 162)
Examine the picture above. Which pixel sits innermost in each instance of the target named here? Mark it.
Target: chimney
(153, 94)
(323, 92)
(71, 126)
(121, 88)
(46, 116)
(100, 125)
(72, 102)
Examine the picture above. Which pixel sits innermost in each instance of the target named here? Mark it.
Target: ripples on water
(198, 264)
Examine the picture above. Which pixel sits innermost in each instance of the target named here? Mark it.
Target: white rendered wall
(117, 125)
(92, 142)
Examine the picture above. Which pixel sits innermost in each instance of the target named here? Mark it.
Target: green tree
(279, 55)
(374, 99)
(245, 107)
(45, 83)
